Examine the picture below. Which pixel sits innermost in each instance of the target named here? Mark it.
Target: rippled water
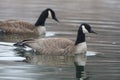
(103, 49)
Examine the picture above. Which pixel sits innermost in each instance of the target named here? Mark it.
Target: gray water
(103, 49)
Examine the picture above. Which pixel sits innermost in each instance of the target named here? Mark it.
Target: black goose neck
(41, 20)
(80, 37)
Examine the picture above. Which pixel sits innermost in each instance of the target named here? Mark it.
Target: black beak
(93, 32)
(56, 19)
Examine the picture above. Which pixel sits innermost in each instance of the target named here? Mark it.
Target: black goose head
(83, 29)
(51, 14)
(47, 13)
(86, 28)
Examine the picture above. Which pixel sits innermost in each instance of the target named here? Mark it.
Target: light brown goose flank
(51, 45)
(20, 27)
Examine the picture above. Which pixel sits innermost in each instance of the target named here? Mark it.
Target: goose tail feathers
(19, 44)
(22, 44)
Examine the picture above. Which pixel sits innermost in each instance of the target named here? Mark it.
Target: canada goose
(20, 27)
(63, 46)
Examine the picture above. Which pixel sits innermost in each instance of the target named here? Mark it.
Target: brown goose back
(54, 46)
(19, 27)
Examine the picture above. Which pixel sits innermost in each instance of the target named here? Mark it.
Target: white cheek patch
(84, 29)
(49, 14)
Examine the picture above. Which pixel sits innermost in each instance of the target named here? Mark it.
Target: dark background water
(102, 15)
